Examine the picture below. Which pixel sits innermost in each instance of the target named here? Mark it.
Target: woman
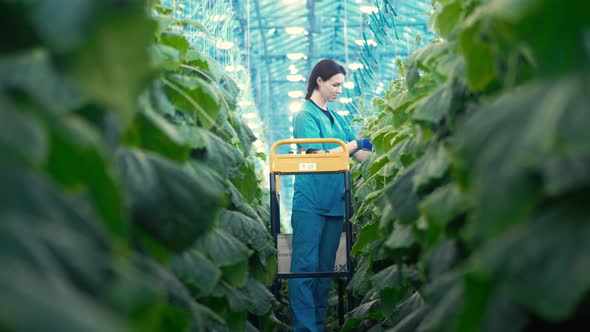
(318, 200)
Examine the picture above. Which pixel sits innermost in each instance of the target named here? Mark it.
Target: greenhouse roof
(271, 46)
(283, 39)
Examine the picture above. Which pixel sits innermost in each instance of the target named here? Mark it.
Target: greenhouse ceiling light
(224, 45)
(343, 113)
(295, 30)
(295, 56)
(348, 85)
(218, 18)
(229, 68)
(296, 94)
(244, 103)
(369, 9)
(295, 107)
(295, 78)
(355, 65)
(249, 115)
(344, 100)
(361, 42)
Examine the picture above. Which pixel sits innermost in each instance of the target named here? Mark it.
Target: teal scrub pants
(315, 242)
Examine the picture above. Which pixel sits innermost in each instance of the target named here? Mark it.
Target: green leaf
(406, 308)
(218, 154)
(545, 39)
(572, 133)
(34, 74)
(159, 100)
(441, 259)
(447, 18)
(154, 133)
(247, 182)
(502, 188)
(248, 230)
(244, 132)
(194, 96)
(555, 254)
(53, 257)
(443, 314)
(236, 299)
(222, 248)
(77, 160)
(361, 280)
(21, 136)
(431, 168)
(478, 55)
(487, 309)
(210, 320)
(566, 173)
(401, 237)
(112, 64)
(367, 234)
(236, 274)
(196, 271)
(166, 57)
(367, 310)
(173, 205)
(239, 202)
(175, 41)
(402, 198)
(444, 204)
(32, 301)
(435, 106)
(260, 298)
(390, 283)
(62, 24)
(411, 322)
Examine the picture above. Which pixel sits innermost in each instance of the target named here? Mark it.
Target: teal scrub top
(319, 193)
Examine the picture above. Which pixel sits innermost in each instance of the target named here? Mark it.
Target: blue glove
(364, 143)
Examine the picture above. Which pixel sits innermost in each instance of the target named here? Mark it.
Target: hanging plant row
(473, 214)
(129, 194)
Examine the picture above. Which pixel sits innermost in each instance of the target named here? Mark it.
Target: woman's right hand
(364, 143)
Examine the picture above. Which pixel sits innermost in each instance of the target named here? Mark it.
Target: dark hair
(325, 69)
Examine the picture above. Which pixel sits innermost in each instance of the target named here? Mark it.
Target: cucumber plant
(472, 210)
(129, 194)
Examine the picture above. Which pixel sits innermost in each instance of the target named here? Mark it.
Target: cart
(292, 164)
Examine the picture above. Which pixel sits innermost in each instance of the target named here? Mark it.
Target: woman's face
(331, 89)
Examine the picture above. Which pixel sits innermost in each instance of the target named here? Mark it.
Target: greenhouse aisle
(135, 140)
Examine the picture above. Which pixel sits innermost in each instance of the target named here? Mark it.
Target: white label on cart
(308, 166)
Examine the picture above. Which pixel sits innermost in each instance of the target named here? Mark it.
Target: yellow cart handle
(309, 163)
(309, 141)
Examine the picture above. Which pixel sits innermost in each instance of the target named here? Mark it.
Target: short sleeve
(306, 126)
(349, 134)
(346, 128)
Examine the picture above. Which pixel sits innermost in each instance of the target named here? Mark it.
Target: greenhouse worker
(318, 200)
